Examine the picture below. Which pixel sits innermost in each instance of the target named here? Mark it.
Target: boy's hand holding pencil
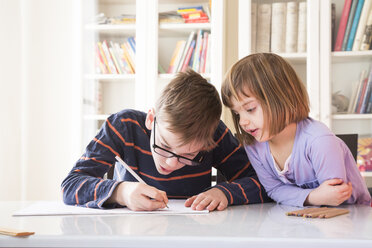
(138, 196)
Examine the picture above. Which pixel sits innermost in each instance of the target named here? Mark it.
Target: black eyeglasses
(168, 154)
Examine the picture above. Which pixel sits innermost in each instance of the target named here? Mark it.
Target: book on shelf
(185, 50)
(354, 25)
(291, 27)
(350, 19)
(253, 26)
(361, 100)
(193, 14)
(364, 155)
(366, 95)
(193, 53)
(302, 27)
(170, 17)
(367, 36)
(278, 27)
(333, 24)
(102, 19)
(263, 27)
(362, 24)
(114, 58)
(342, 26)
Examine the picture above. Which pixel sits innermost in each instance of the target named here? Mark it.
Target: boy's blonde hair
(192, 108)
(275, 84)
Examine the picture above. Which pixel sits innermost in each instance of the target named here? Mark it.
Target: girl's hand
(211, 199)
(139, 197)
(332, 192)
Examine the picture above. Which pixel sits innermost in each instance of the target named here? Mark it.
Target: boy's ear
(150, 117)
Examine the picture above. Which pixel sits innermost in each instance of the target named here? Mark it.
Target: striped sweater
(125, 134)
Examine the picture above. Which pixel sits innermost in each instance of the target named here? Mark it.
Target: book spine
(188, 56)
(108, 56)
(302, 28)
(278, 25)
(196, 59)
(354, 26)
(358, 90)
(292, 25)
(174, 56)
(333, 24)
(367, 36)
(203, 53)
(342, 26)
(186, 49)
(361, 96)
(208, 57)
(362, 24)
(177, 60)
(263, 27)
(253, 26)
(349, 23)
(365, 99)
(104, 57)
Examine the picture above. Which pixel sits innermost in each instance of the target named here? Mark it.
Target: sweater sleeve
(277, 190)
(84, 185)
(242, 185)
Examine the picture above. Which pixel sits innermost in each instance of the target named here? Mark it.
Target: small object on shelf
(340, 101)
(14, 232)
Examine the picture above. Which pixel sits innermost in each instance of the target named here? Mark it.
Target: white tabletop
(258, 225)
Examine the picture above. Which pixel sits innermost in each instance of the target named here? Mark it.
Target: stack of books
(114, 58)
(355, 27)
(361, 98)
(192, 53)
(193, 14)
(279, 27)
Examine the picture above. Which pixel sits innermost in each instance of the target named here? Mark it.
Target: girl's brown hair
(192, 108)
(274, 83)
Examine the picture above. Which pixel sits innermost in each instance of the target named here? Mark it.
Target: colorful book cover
(342, 26)
(364, 157)
(354, 26)
(349, 23)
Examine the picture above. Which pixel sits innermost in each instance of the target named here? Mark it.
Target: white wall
(10, 104)
(39, 96)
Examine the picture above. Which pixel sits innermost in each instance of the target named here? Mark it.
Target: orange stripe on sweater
(77, 192)
(134, 121)
(95, 190)
(109, 193)
(178, 177)
(223, 161)
(241, 188)
(127, 143)
(107, 146)
(223, 135)
(99, 161)
(232, 200)
(239, 172)
(259, 187)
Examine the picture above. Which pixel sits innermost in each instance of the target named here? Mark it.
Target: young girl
(298, 160)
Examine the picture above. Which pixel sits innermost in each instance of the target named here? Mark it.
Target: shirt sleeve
(277, 190)
(84, 185)
(242, 185)
(328, 158)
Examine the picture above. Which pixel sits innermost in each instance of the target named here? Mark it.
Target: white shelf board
(110, 76)
(352, 117)
(172, 75)
(366, 173)
(181, 29)
(350, 56)
(131, 28)
(95, 117)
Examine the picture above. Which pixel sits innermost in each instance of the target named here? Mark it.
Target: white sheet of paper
(41, 208)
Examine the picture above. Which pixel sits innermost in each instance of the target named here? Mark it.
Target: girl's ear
(150, 117)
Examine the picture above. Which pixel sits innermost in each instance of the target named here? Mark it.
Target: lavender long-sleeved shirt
(317, 155)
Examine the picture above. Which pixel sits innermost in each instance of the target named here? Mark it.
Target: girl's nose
(243, 121)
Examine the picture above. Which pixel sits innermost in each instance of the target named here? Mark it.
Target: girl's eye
(251, 109)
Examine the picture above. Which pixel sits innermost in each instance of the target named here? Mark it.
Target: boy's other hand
(139, 197)
(211, 199)
(332, 192)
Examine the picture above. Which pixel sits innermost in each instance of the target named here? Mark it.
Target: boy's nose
(172, 161)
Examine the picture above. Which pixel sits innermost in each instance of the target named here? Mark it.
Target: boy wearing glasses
(172, 148)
